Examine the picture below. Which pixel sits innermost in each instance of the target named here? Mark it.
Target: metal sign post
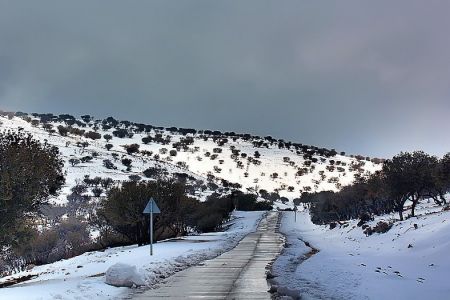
(151, 209)
(151, 232)
(295, 213)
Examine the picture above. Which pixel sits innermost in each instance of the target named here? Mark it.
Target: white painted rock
(123, 275)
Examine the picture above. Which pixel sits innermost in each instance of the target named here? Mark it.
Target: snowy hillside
(209, 161)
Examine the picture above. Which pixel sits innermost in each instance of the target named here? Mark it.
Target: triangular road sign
(151, 207)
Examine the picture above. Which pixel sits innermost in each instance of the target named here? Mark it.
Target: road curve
(237, 274)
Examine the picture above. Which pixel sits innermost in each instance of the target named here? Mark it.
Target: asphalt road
(237, 274)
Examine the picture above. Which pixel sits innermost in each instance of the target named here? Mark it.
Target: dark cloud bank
(368, 77)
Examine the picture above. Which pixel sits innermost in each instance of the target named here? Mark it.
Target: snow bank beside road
(83, 277)
(350, 265)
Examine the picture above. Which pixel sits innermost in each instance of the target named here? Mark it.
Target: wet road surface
(237, 274)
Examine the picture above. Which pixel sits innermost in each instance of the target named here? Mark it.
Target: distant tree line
(406, 177)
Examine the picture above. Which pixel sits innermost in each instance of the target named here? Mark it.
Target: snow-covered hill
(211, 161)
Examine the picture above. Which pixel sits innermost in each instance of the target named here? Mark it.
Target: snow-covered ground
(83, 277)
(351, 265)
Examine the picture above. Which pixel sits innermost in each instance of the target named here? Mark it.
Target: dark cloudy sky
(369, 77)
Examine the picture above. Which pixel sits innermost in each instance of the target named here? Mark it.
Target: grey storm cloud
(364, 77)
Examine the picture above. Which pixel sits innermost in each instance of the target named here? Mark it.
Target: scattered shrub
(63, 130)
(74, 161)
(109, 164)
(126, 162)
(97, 191)
(381, 227)
(134, 177)
(86, 159)
(131, 149)
(151, 172)
(146, 140)
(93, 135)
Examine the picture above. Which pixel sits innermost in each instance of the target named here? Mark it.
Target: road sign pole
(151, 233)
(151, 208)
